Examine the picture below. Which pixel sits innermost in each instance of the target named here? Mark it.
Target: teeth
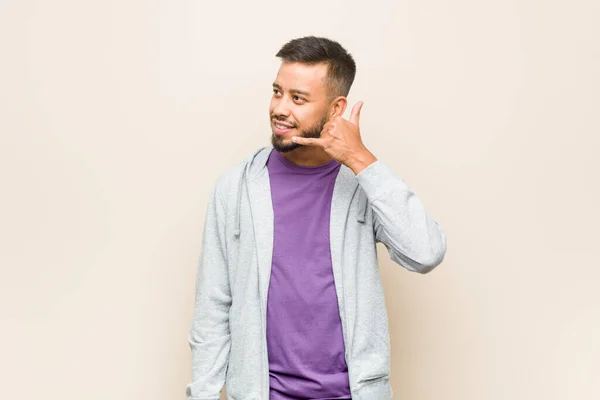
(282, 126)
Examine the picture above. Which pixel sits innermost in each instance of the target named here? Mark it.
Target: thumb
(355, 114)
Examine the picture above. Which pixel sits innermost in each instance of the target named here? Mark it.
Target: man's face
(299, 104)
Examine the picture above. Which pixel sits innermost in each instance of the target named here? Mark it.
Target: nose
(281, 109)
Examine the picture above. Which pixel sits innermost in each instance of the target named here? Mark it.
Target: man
(289, 302)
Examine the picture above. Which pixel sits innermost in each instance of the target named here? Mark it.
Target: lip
(281, 131)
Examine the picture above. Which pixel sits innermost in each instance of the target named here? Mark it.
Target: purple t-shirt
(304, 332)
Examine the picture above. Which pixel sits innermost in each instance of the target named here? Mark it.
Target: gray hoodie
(228, 333)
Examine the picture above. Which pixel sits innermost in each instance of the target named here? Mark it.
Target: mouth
(280, 128)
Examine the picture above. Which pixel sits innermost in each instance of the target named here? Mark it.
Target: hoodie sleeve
(412, 237)
(209, 336)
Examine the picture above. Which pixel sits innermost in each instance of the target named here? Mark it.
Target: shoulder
(228, 182)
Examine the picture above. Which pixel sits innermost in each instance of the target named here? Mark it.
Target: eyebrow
(298, 91)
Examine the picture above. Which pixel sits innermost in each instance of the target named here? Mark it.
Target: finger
(355, 114)
(308, 141)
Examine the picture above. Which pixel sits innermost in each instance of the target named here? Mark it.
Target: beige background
(116, 117)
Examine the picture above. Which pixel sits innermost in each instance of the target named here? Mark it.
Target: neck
(308, 156)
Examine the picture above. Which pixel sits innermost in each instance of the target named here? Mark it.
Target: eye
(298, 98)
(275, 91)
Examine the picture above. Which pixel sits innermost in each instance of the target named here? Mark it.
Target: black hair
(341, 67)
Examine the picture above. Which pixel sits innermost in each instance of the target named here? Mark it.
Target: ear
(337, 107)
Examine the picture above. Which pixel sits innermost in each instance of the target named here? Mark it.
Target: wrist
(360, 161)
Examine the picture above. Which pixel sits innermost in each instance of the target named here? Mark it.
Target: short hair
(341, 67)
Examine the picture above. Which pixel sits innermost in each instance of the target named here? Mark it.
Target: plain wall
(116, 117)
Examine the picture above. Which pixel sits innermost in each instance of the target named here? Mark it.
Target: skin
(302, 99)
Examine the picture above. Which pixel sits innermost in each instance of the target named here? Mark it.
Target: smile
(281, 128)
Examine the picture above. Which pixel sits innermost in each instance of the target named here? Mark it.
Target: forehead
(310, 78)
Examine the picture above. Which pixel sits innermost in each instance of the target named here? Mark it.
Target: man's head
(311, 87)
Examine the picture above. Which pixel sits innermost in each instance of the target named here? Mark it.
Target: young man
(289, 301)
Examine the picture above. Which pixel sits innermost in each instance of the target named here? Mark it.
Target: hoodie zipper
(345, 333)
(265, 359)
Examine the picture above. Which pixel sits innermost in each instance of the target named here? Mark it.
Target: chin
(283, 145)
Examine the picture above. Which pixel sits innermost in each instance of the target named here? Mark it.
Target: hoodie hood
(256, 164)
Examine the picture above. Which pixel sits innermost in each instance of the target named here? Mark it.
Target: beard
(282, 145)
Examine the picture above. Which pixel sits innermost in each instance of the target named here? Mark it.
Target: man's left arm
(413, 238)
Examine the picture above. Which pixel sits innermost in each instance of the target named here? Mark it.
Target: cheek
(307, 117)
